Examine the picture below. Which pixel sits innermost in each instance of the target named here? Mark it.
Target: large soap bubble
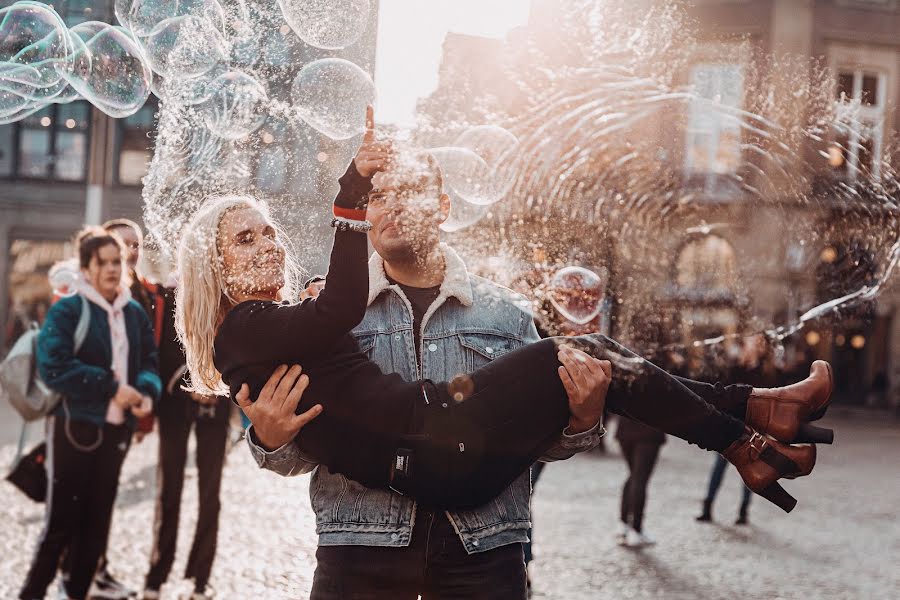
(235, 107)
(111, 70)
(327, 24)
(468, 175)
(462, 213)
(577, 294)
(492, 143)
(144, 16)
(34, 46)
(331, 95)
(185, 46)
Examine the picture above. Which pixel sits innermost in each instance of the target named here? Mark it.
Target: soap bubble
(144, 16)
(235, 105)
(34, 46)
(490, 142)
(462, 213)
(111, 70)
(327, 24)
(64, 278)
(499, 149)
(576, 293)
(331, 95)
(468, 175)
(185, 46)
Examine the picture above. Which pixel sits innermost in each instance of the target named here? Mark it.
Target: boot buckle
(757, 442)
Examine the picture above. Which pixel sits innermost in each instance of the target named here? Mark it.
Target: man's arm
(271, 437)
(286, 460)
(572, 440)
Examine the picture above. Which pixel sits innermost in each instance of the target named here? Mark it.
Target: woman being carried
(450, 445)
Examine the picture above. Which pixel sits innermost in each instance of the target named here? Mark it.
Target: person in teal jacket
(110, 382)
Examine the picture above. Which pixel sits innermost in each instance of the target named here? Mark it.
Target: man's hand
(272, 414)
(586, 380)
(373, 155)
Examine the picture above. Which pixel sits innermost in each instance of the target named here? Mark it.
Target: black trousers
(81, 494)
(463, 453)
(641, 458)
(178, 414)
(435, 565)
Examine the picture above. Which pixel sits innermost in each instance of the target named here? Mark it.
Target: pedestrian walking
(640, 446)
(106, 385)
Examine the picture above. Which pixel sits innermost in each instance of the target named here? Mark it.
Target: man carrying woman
(451, 445)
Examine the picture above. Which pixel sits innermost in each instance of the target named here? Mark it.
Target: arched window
(707, 266)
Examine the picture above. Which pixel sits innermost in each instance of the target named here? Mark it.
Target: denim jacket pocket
(366, 343)
(481, 348)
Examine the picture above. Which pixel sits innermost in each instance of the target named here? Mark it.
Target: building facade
(723, 262)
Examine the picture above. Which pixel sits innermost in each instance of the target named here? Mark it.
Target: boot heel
(811, 434)
(778, 496)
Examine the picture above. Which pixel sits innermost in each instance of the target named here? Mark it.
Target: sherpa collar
(456, 282)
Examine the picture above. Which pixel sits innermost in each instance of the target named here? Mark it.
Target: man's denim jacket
(472, 322)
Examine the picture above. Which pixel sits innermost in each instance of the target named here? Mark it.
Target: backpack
(20, 382)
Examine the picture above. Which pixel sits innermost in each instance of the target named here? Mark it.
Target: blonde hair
(202, 298)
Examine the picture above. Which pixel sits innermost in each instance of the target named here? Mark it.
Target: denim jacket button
(395, 536)
(489, 350)
(397, 337)
(432, 347)
(475, 543)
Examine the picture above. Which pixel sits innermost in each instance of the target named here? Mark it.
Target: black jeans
(81, 494)
(178, 413)
(435, 565)
(464, 453)
(641, 458)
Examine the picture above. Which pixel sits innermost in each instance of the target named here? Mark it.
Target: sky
(410, 37)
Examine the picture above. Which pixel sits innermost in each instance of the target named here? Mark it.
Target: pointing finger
(370, 124)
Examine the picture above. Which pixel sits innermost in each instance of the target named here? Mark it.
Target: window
(859, 132)
(713, 144)
(707, 265)
(135, 145)
(49, 144)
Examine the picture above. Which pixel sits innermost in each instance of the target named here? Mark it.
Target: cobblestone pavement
(842, 541)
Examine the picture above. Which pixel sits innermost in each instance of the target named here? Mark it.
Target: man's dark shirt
(421, 300)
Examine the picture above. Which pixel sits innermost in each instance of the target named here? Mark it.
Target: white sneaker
(635, 539)
(106, 587)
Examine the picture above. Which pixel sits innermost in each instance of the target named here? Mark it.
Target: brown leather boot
(784, 413)
(762, 461)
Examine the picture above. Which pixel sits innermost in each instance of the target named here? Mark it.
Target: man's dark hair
(91, 239)
(114, 224)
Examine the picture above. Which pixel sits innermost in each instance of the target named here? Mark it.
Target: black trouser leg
(476, 447)
(644, 457)
(67, 471)
(453, 574)
(174, 428)
(103, 485)
(212, 437)
(625, 504)
(373, 572)
(731, 399)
